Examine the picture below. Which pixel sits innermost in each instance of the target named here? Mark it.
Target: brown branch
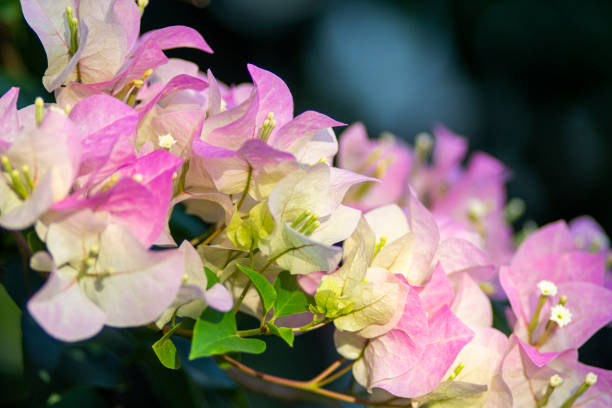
(303, 385)
(328, 370)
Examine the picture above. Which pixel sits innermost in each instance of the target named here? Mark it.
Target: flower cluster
(398, 247)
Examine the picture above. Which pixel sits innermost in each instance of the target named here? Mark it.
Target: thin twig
(328, 370)
(303, 385)
(207, 237)
(339, 374)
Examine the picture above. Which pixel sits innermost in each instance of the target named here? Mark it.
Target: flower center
(268, 126)
(166, 141)
(306, 223)
(21, 182)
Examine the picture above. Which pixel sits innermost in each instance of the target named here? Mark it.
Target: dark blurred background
(529, 82)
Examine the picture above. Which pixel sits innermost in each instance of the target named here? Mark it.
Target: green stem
(246, 188)
(265, 268)
(535, 318)
(572, 398)
(547, 332)
(78, 72)
(253, 332)
(242, 296)
(170, 332)
(315, 322)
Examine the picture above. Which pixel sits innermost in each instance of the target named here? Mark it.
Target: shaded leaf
(284, 333)
(266, 291)
(82, 396)
(290, 298)
(211, 278)
(165, 350)
(11, 353)
(216, 333)
(34, 242)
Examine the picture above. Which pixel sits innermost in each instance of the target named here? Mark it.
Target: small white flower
(555, 381)
(547, 288)
(423, 141)
(477, 209)
(590, 379)
(166, 141)
(560, 315)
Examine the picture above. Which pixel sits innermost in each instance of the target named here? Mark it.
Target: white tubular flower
(166, 141)
(560, 315)
(477, 209)
(423, 142)
(555, 381)
(590, 379)
(547, 288)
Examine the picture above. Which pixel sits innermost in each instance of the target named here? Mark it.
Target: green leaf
(165, 350)
(216, 333)
(11, 353)
(240, 232)
(284, 333)
(211, 278)
(290, 298)
(34, 242)
(264, 288)
(261, 220)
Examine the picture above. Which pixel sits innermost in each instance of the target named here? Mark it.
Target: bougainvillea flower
(556, 293)
(193, 296)
(410, 244)
(101, 275)
(96, 44)
(433, 181)
(589, 235)
(477, 199)
(558, 382)
(479, 362)
(412, 358)
(172, 128)
(177, 83)
(202, 198)
(137, 195)
(38, 169)
(230, 169)
(386, 159)
(309, 218)
(477, 365)
(260, 134)
(109, 130)
(410, 240)
(363, 300)
(9, 118)
(105, 32)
